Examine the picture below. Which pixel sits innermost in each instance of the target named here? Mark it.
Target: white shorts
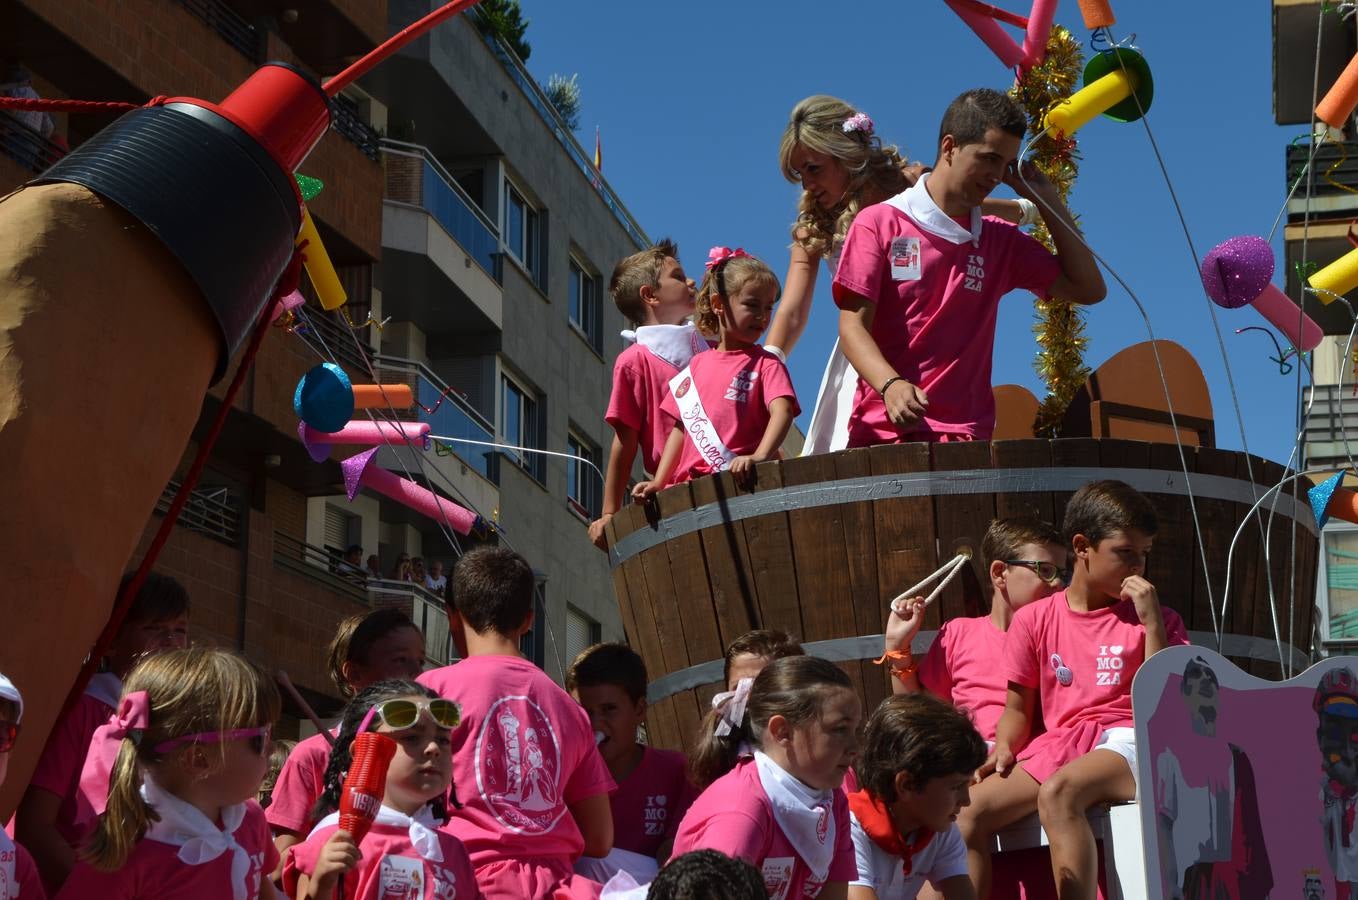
(1122, 741)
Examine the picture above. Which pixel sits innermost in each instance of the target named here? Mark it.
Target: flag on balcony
(598, 150)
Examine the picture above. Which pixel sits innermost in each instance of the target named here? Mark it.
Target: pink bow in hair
(132, 718)
(722, 254)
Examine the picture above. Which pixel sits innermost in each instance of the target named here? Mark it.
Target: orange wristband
(898, 656)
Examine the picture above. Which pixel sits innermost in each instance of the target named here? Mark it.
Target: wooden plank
(1115, 453)
(1249, 587)
(1071, 453)
(769, 542)
(907, 549)
(963, 518)
(688, 569)
(1175, 566)
(1218, 521)
(860, 553)
(1029, 454)
(734, 599)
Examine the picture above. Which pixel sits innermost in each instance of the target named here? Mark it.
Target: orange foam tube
(1343, 505)
(380, 396)
(1097, 14)
(1338, 103)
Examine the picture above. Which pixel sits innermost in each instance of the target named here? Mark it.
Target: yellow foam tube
(319, 267)
(1090, 101)
(1336, 279)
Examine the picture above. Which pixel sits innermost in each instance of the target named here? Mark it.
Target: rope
(951, 568)
(46, 104)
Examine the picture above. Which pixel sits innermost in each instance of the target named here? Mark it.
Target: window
(585, 311)
(532, 643)
(1339, 568)
(523, 231)
(582, 632)
(521, 425)
(583, 490)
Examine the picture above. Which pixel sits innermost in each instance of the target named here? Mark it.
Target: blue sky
(691, 99)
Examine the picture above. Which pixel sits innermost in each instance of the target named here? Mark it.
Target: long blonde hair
(201, 689)
(817, 123)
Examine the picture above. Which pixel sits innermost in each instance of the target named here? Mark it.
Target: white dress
(829, 428)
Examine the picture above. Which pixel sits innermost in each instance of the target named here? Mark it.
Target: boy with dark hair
(920, 278)
(1026, 561)
(651, 290)
(1076, 653)
(533, 788)
(609, 681)
(707, 875)
(915, 769)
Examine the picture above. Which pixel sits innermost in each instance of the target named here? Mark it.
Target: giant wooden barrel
(821, 543)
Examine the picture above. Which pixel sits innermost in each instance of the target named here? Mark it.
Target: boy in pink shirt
(609, 681)
(920, 278)
(18, 873)
(1076, 653)
(1026, 560)
(532, 786)
(651, 290)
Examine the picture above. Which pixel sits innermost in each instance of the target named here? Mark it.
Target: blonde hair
(201, 689)
(817, 123)
(726, 278)
(639, 270)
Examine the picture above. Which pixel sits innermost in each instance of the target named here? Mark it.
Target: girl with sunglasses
(405, 854)
(189, 746)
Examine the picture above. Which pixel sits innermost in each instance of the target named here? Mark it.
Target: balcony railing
(347, 122)
(229, 25)
(453, 417)
(416, 178)
(320, 565)
(538, 100)
(25, 146)
(212, 511)
(1332, 180)
(428, 612)
(327, 331)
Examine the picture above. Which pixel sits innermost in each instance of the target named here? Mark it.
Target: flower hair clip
(858, 122)
(721, 254)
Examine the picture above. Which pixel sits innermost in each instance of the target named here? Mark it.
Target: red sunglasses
(9, 733)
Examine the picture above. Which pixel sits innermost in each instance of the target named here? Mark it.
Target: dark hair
(160, 598)
(1102, 507)
(1005, 537)
(767, 642)
(354, 640)
(493, 590)
(340, 752)
(978, 110)
(1198, 669)
(641, 269)
(707, 875)
(616, 664)
(920, 735)
(793, 687)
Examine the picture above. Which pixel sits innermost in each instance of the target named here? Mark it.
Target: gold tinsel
(1060, 324)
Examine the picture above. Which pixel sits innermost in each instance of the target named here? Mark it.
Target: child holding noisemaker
(533, 788)
(1076, 653)
(733, 405)
(18, 873)
(919, 757)
(921, 276)
(382, 645)
(651, 290)
(405, 853)
(609, 681)
(192, 738)
(782, 810)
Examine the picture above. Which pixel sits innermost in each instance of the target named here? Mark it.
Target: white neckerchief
(198, 838)
(421, 827)
(916, 203)
(675, 344)
(806, 816)
(105, 687)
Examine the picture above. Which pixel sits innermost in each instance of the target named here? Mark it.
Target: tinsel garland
(1060, 324)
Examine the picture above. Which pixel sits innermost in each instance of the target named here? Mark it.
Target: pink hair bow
(132, 718)
(722, 254)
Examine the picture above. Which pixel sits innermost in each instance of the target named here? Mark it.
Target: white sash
(697, 424)
(805, 816)
(675, 344)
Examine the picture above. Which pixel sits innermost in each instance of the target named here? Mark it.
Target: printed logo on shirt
(400, 878)
(778, 876)
(1108, 665)
(252, 880)
(822, 824)
(518, 766)
(683, 387)
(975, 273)
(905, 259)
(741, 385)
(655, 814)
(9, 880)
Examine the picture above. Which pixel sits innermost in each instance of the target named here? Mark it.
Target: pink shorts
(534, 879)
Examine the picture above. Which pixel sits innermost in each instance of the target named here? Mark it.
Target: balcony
(348, 124)
(1333, 418)
(213, 511)
(229, 25)
(435, 236)
(428, 612)
(1294, 55)
(33, 152)
(1329, 190)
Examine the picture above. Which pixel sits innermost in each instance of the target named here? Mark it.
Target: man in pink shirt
(920, 278)
(532, 786)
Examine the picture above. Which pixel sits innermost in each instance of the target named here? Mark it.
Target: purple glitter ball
(1237, 270)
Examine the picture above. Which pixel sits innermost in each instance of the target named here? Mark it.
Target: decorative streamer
(1060, 326)
(1284, 367)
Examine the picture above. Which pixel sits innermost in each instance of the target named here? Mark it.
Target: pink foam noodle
(1274, 305)
(1039, 29)
(363, 432)
(359, 472)
(989, 31)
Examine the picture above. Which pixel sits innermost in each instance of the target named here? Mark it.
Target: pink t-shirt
(640, 381)
(524, 752)
(300, 784)
(935, 324)
(153, 870)
(18, 873)
(391, 869)
(736, 387)
(649, 803)
(735, 817)
(63, 758)
(1082, 664)
(960, 667)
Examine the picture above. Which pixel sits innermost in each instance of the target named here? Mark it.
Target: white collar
(675, 344)
(421, 827)
(105, 687)
(805, 815)
(198, 838)
(916, 203)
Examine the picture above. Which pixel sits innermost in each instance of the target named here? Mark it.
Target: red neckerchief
(872, 815)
